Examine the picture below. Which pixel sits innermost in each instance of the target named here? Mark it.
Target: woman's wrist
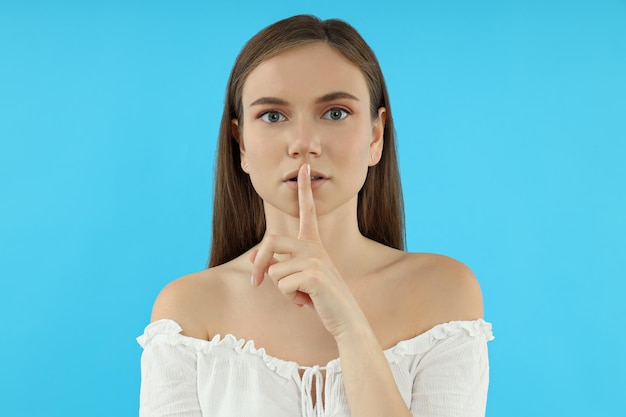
(359, 332)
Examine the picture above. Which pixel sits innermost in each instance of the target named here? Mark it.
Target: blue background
(511, 118)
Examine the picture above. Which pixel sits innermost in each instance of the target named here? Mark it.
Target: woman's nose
(305, 140)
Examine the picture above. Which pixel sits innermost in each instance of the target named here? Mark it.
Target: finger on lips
(263, 257)
(308, 218)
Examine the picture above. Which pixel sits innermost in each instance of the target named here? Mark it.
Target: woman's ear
(378, 136)
(236, 133)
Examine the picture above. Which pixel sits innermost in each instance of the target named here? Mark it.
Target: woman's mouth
(313, 178)
(316, 182)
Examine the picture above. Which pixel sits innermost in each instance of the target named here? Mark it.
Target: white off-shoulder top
(443, 372)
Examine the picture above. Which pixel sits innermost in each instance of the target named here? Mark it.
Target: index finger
(308, 217)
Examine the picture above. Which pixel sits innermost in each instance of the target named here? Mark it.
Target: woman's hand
(307, 276)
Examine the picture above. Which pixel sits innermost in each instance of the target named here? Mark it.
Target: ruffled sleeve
(168, 373)
(452, 377)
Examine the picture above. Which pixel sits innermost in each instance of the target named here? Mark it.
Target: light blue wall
(511, 118)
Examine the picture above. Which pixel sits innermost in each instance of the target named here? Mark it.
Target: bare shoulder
(445, 286)
(187, 300)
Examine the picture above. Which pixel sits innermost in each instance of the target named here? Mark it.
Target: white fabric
(443, 372)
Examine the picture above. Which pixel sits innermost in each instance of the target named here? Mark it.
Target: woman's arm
(451, 379)
(370, 387)
(168, 374)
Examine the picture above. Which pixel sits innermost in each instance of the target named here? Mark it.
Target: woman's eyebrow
(269, 100)
(275, 101)
(334, 96)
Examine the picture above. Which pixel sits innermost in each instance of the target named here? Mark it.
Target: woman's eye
(336, 114)
(272, 117)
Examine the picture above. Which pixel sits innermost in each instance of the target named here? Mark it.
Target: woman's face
(308, 105)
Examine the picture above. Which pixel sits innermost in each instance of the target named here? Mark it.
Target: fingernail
(252, 280)
(308, 169)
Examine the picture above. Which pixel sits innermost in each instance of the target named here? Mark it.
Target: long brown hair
(238, 216)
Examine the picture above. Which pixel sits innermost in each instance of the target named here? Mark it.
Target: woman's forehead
(305, 72)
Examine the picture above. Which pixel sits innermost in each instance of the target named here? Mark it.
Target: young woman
(310, 306)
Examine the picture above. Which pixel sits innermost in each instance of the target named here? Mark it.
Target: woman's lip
(314, 183)
(294, 175)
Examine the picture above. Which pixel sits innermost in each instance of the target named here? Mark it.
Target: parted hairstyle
(238, 216)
